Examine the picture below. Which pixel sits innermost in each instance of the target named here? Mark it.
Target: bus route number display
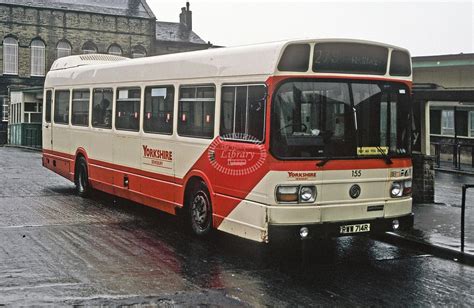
(350, 58)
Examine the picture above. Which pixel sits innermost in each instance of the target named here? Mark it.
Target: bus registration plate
(355, 228)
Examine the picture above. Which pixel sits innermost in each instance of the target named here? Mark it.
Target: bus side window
(159, 106)
(102, 108)
(243, 112)
(49, 97)
(61, 107)
(196, 111)
(80, 107)
(127, 113)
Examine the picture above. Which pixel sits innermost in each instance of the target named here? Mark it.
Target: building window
(32, 112)
(5, 107)
(243, 112)
(196, 111)
(158, 115)
(80, 107)
(10, 56)
(37, 58)
(447, 122)
(15, 112)
(127, 116)
(63, 49)
(89, 47)
(115, 49)
(61, 107)
(138, 52)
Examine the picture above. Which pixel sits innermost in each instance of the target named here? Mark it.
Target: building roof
(176, 32)
(130, 8)
(462, 59)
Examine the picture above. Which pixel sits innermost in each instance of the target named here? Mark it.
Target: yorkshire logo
(157, 158)
(158, 154)
(301, 175)
(236, 154)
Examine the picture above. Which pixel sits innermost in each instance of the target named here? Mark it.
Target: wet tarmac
(448, 189)
(440, 223)
(57, 248)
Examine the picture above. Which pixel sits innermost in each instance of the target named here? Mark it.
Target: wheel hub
(200, 209)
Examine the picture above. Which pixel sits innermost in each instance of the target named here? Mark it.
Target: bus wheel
(200, 210)
(82, 178)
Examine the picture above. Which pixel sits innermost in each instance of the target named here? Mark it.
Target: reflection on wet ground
(448, 189)
(57, 248)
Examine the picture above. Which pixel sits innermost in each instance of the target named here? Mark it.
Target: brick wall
(423, 178)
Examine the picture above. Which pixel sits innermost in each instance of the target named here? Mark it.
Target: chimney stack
(186, 18)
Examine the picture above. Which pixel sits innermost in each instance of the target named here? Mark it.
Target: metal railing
(456, 153)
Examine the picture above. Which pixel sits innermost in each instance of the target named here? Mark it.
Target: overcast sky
(423, 27)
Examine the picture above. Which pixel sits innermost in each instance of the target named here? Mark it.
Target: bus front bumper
(280, 232)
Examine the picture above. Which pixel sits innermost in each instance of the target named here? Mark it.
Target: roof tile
(176, 32)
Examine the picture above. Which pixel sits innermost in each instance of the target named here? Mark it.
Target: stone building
(33, 34)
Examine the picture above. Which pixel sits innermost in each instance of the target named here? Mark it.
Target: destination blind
(355, 58)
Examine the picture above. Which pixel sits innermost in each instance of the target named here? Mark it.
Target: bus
(286, 140)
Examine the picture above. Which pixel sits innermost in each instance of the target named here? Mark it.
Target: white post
(425, 130)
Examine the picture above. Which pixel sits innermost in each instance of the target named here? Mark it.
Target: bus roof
(251, 60)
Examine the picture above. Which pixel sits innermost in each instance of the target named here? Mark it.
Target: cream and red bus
(303, 138)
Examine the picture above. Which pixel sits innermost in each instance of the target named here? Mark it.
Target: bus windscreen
(350, 58)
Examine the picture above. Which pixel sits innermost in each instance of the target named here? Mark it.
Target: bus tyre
(199, 210)
(83, 188)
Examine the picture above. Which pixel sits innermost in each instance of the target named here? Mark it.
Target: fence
(456, 152)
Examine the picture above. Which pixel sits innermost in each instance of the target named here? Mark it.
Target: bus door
(47, 123)
(157, 150)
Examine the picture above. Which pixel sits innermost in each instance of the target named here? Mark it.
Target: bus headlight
(296, 194)
(396, 190)
(287, 193)
(307, 194)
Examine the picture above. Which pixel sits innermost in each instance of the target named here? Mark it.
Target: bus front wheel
(199, 210)
(82, 178)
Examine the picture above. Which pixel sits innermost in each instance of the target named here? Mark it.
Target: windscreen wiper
(385, 156)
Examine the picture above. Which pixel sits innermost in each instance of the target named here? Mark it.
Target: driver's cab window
(313, 119)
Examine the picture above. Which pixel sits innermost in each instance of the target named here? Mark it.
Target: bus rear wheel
(199, 210)
(83, 188)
